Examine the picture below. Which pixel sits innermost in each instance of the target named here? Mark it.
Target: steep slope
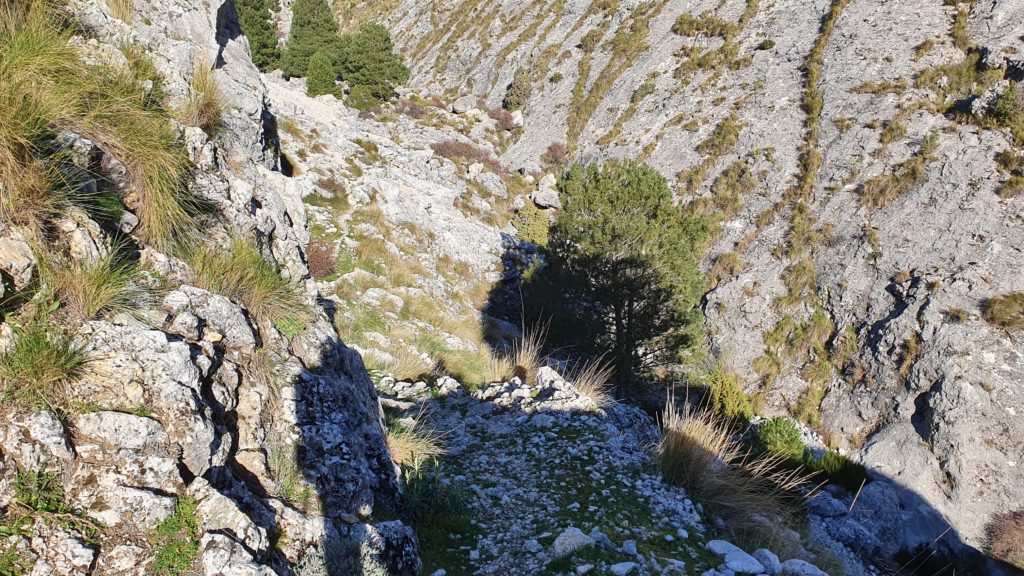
(853, 165)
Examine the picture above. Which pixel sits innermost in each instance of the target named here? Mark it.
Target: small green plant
(726, 395)
(176, 540)
(766, 44)
(40, 492)
(780, 436)
(427, 498)
(41, 362)
(1006, 311)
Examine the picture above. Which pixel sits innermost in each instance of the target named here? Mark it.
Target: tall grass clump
(45, 88)
(240, 272)
(37, 368)
(121, 9)
(206, 103)
(699, 452)
(411, 445)
(86, 291)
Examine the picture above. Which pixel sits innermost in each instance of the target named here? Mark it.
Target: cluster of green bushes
(255, 20)
(781, 437)
(365, 59)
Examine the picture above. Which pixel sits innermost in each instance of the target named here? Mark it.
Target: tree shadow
(894, 527)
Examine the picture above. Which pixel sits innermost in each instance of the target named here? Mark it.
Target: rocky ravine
(814, 236)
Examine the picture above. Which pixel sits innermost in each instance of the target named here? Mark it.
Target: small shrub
(726, 394)
(321, 76)
(838, 469)
(556, 78)
(766, 44)
(1004, 537)
(1012, 187)
(554, 157)
(1006, 311)
(321, 259)
(503, 117)
(532, 224)
(780, 436)
(518, 91)
(176, 540)
(453, 150)
(242, 274)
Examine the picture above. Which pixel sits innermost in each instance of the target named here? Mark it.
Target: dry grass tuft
(594, 380)
(1005, 311)
(86, 291)
(698, 451)
(1004, 537)
(205, 104)
(527, 354)
(242, 274)
(410, 446)
(121, 9)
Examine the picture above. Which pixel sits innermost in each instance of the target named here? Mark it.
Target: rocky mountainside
(850, 149)
(248, 394)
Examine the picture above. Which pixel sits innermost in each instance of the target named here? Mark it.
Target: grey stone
(797, 567)
(569, 541)
(770, 562)
(742, 563)
(623, 568)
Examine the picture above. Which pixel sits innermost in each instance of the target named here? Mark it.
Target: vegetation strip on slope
(627, 45)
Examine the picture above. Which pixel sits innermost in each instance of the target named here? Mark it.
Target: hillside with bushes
(390, 288)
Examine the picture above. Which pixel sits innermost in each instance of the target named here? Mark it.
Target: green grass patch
(176, 540)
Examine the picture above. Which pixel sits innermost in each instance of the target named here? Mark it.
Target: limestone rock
(36, 441)
(126, 472)
(569, 541)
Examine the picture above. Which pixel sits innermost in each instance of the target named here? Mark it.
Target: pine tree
(623, 278)
(254, 18)
(321, 78)
(366, 60)
(313, 29)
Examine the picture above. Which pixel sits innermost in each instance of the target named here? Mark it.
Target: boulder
(569, 541)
